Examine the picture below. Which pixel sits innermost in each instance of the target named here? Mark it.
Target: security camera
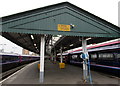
(72, 26)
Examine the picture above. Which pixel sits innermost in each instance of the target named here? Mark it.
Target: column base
(41, 77)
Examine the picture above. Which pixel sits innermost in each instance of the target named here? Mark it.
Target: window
(74, 56)
(93, 56)
(118, 55)
(106, 56)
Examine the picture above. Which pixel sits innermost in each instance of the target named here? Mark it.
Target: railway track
(9, 72)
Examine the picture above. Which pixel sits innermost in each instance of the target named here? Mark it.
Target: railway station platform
(54, 75)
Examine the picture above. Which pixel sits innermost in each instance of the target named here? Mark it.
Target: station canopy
(59, 19)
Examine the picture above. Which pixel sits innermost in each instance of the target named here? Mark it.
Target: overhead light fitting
(32, 37)
(88, 38)
(71, 45)
(34, 44)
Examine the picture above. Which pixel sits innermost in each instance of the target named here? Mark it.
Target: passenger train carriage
(103, 57)
(9, 61)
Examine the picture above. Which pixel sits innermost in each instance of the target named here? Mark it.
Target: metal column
(61, 58)
(54, 55)
(42, 51)
(85, 68)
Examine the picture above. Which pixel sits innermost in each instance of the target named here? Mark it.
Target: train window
(106, 56)
(93, 56)
(100, 56)
(118, 55)
(74, 56)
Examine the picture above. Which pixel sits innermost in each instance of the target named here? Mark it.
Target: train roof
(11, 54)
(97, 47)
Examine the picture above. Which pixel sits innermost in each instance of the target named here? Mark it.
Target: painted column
(119, 13)
(85, 68)
(54, 55)
(61, 58)
(42, 52)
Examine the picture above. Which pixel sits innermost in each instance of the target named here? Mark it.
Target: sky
(105, 9)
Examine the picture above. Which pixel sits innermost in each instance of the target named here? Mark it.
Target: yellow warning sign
(62, 27)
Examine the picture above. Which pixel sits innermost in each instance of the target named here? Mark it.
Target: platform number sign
(63, 27)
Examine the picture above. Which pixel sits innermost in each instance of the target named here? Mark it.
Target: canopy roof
(25, 40)
(45, 21)
(19, 27)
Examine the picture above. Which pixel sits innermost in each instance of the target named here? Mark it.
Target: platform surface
(54, 75)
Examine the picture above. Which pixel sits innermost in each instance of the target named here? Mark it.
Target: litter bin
(38, 66)
(61, 65)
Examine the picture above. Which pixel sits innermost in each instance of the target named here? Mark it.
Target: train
(104, 57)
(10, 61)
